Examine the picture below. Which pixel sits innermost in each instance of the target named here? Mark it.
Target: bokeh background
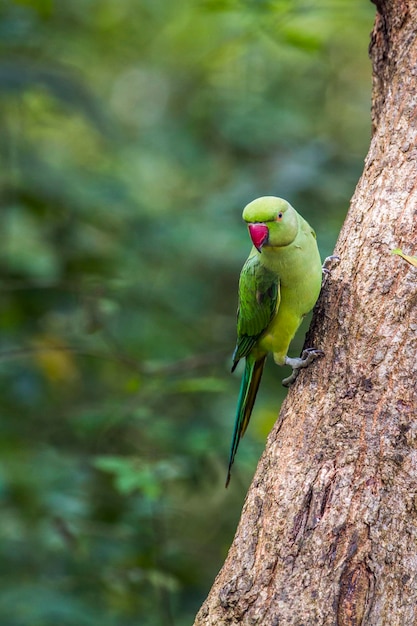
(132, 133)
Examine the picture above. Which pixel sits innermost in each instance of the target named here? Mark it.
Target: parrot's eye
(279, 216)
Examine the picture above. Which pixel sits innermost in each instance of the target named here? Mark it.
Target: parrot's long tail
(248, 390)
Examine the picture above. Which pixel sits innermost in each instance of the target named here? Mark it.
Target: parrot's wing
(259, 297)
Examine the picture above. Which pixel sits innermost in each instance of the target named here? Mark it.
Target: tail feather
(247, 395)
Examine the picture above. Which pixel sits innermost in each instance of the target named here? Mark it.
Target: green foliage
(131, 136)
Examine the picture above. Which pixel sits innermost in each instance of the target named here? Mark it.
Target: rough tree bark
(328, 533)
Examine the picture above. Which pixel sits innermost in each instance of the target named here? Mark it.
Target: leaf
(132, 474)
(412, 260)
(54, 359)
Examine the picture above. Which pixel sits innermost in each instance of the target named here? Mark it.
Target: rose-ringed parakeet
(279, 284)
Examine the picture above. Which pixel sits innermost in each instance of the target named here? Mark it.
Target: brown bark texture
(328, 533)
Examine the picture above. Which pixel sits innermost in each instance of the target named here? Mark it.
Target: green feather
(247, 395)
(258, 300)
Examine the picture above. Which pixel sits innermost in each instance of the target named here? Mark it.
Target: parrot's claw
(298, 363)
(328, 261)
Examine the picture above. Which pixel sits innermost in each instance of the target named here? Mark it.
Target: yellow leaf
(54, 359)
(410, 259)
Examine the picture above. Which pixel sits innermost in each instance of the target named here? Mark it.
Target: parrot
(279, 284)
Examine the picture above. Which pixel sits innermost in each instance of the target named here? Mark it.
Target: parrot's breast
(300, 275)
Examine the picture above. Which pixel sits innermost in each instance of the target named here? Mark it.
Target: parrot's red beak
(259, 234)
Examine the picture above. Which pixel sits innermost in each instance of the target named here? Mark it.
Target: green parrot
(279, 284)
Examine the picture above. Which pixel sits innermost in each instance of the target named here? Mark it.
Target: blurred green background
(133, 132)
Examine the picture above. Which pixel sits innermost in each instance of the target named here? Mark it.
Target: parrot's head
(271, 222)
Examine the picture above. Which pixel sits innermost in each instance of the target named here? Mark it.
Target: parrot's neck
(272, 257)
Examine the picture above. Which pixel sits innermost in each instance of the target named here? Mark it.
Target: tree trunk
(328, 533)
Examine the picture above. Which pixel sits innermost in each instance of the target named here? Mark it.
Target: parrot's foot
(328, 261)
(298, 363)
